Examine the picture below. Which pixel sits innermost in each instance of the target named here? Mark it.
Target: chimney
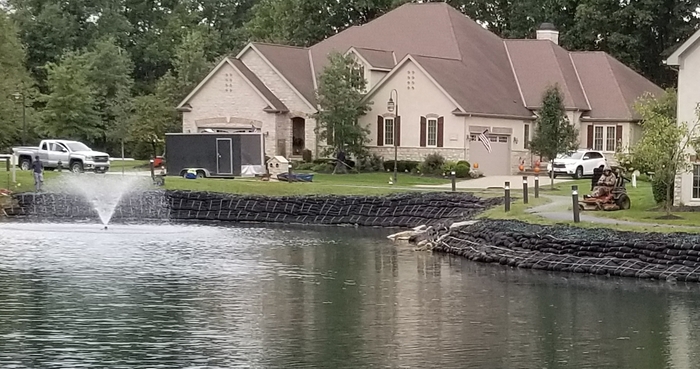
(547, 31)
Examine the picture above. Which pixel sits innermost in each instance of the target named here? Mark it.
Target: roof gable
(378, 59)
(674, 58)
(274, 104)
(293, 64)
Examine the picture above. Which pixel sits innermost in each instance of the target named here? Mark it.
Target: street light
(17, 96)
(390, 106)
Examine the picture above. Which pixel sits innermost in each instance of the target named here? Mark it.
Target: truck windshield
(77, 146)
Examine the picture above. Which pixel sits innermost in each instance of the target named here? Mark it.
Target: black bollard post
(59, 166)
(574, 198)
(524, 189)
(537, 186)
(8, 163)
(289, 173)
(507, 200)
(454, 181)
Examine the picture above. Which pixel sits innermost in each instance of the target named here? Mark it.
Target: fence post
(525, 190)
(574, 198)
(507, 200)
(537, 186)
(454, 181)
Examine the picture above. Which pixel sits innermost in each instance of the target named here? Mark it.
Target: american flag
(485, 140)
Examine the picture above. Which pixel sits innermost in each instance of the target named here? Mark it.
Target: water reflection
(205, 296)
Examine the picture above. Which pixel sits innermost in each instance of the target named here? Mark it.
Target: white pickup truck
(72, 155)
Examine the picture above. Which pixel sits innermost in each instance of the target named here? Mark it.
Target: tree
(109, 69)
(554, 134)
(13, 79)
(341, 102)
(70, 105)
(150, 121)
(663, 147)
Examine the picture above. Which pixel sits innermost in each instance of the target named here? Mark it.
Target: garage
(494, 163)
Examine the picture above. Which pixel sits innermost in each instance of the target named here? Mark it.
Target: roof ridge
(515, 75)
(578, 77)
(452, 28)
(279, 45)
(617, 83)
(561, 73)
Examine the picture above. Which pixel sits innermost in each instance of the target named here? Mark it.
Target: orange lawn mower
(615, 199)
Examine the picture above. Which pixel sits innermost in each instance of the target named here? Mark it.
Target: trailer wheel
(201, 174)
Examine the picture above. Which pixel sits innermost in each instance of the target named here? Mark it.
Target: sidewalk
(493, 182)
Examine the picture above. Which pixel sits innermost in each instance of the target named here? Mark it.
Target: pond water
(196, 296)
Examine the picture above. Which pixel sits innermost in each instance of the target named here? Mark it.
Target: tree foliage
(341, 103)
(554, 134)
(663, 147)
(14, 79)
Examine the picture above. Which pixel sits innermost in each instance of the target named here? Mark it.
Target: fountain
(103, 192)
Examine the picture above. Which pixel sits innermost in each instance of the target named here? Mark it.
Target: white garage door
(494, 163)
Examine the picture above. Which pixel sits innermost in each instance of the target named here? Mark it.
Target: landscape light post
(390, 106)
(20, 95)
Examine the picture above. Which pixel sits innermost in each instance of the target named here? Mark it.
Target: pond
(207, 296)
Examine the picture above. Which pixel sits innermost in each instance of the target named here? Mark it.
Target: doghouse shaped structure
(215, 154)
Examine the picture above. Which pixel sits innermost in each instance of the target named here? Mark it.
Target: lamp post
(390, 106)
(17, 96)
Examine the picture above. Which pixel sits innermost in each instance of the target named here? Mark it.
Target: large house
(687, 60)
(449, 80)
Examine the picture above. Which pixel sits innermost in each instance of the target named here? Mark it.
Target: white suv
(578, 163)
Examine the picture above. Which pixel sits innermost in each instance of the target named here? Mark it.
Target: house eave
(615, 120)
(490, 115)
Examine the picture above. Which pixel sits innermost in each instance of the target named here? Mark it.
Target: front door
(224, 153)
(298, 133)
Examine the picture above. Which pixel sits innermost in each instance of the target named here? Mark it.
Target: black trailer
(215, 154)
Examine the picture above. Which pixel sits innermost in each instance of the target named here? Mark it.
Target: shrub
(401, 165)
(370, 163)
(464, 162)
(322, 168)
(432, 164)
(462, 170)
(658, 188)
(304, 166)
(306, 155)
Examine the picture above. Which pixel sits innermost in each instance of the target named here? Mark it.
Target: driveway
(492, 182)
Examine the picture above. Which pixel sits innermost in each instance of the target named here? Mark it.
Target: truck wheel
(76, 167)
(25, 164)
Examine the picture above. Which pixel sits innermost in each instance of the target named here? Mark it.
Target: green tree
(70, 105)
(341, 103)
(109, 69)
(663, 147)
(150, 121)
(554, 134)
(13, 79)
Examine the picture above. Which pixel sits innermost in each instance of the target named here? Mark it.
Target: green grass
(323, 184)
(118, 164)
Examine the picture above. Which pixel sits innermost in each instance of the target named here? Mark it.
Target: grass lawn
(118, 164)
(323, 184)
(346, 184)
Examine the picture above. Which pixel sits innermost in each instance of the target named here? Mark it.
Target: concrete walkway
(560, 209)
(494, 182)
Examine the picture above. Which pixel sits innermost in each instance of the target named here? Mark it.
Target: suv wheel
(579, 173)
(76, 167)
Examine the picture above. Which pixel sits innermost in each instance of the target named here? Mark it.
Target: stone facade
(419, 153)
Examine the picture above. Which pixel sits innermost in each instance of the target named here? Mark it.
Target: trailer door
(224, 152)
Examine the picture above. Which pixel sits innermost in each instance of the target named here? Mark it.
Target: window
(432, 132)
(610, 139)
(696, 181)
(604, 138)
(389, 131)
(526, 136)
(503, 139)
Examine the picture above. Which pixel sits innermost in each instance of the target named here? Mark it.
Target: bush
(462, 170)
(658, 188)
(306, 155)
(401, 165)
(304, 166)
(464, 162)
(370, 163)
(322, 168)
(432, 164)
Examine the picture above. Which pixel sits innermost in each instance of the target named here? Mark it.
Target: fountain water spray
(103, 192)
